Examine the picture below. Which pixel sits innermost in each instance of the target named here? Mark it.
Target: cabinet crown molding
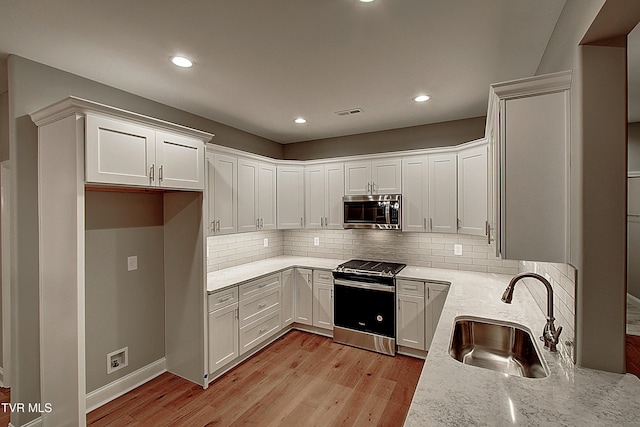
(74, 105)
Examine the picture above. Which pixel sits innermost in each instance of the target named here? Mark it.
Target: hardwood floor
(633, 355)
(5, 397)
(300, 380)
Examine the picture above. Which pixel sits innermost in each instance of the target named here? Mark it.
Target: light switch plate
(132, 263)
(457, 249)
(266, 242)
(316, 241)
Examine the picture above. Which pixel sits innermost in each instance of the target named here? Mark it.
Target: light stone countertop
(231, 276)
(452, 394)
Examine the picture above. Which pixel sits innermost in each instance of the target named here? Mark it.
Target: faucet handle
(556, 336)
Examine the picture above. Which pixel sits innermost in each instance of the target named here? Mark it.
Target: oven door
(365, 307)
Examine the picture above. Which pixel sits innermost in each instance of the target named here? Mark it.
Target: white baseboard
(117, 388)
(633, 300)
(33, 423)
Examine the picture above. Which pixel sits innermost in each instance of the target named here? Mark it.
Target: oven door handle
(363, 285)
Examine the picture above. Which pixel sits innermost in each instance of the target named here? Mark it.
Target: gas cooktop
(371, 268)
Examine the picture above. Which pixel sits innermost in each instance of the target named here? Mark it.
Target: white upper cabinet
(442, 193)
(415, 193)
(532, 152)
(373, 177)
(267, 196)
(324, 188)
(290, 197)
(247, 195)
(125, 153)
(472, 190)
(222, 193)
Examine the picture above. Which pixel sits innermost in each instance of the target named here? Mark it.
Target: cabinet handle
(326, 222)
(237, 313)
(487, 232)
(262, 331)
(261, 222)
(301, 221)
(213, 226)
(227, 298)
(263, 305)
(430, 224)
(458, 223)
(373, 187)
(321, 222)
(368, 187)
(411, 288)
(160, 174)
(218, 225)
(262, 285)
(424, 220)
(428, 293)
(309, 278)
(152, 172)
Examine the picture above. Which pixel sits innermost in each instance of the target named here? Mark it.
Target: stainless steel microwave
(376, 212)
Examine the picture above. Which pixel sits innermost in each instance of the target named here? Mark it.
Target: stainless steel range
(365, 304)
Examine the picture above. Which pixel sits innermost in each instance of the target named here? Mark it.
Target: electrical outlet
(266, 242)
(316, 241)
(132, 263)
(457, 249)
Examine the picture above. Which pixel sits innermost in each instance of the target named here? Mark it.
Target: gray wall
(33, 86)
(411, 138)
(598, 147)
(4, 155)
(633, 138)
(123, 308)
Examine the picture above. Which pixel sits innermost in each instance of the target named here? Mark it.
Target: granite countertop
(450, 393)
(231, 276)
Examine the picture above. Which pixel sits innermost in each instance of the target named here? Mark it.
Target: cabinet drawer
(222, 298)
(258, 331)
(260, 304)
(322, 276)
(256, 286)
(410, 287)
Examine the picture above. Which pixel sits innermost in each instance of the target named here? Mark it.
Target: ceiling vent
(349, 112)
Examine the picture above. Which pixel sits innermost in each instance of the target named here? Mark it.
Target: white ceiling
(260, 64)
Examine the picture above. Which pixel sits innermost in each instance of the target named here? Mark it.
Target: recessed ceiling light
(421, 98)
(366, 1)
(181, 61)
(300, 120)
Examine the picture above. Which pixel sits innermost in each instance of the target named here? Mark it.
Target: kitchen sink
(500, 346)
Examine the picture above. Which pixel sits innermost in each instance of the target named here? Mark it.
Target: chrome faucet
(550, 335)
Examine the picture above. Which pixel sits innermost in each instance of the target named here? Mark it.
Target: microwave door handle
(387, 213)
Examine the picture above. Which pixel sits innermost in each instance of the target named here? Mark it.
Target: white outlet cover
(266, 242)
(316, 241)
(457, 249)
(132, 263)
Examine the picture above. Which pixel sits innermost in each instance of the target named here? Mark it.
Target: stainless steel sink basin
(500, 346)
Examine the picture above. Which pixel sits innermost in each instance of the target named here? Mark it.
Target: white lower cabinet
(410, 318)
(287, 298)
(303, 282)
(323, 299)
(436, 295)
(223, 328)
(419, 306)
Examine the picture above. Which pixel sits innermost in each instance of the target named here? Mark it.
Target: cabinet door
(411, 321)
(225, 193)
(472, 190)
(442, 194)
(223, 336)
(334, 191)
(415, 194)
(119, 152)
(290, 197)
(247, 195)
(434, 302)
(357, 178)
(287, 297)
(211, 176)
(267, 196)
(303, 296)
(314, 193)
(386, 176)
(180, 161)
(323, 305)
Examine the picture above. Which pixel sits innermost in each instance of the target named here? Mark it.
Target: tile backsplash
(563, 281)
(236, 249)
(419, 249)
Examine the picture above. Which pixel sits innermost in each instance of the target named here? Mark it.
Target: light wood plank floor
(300, 380)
